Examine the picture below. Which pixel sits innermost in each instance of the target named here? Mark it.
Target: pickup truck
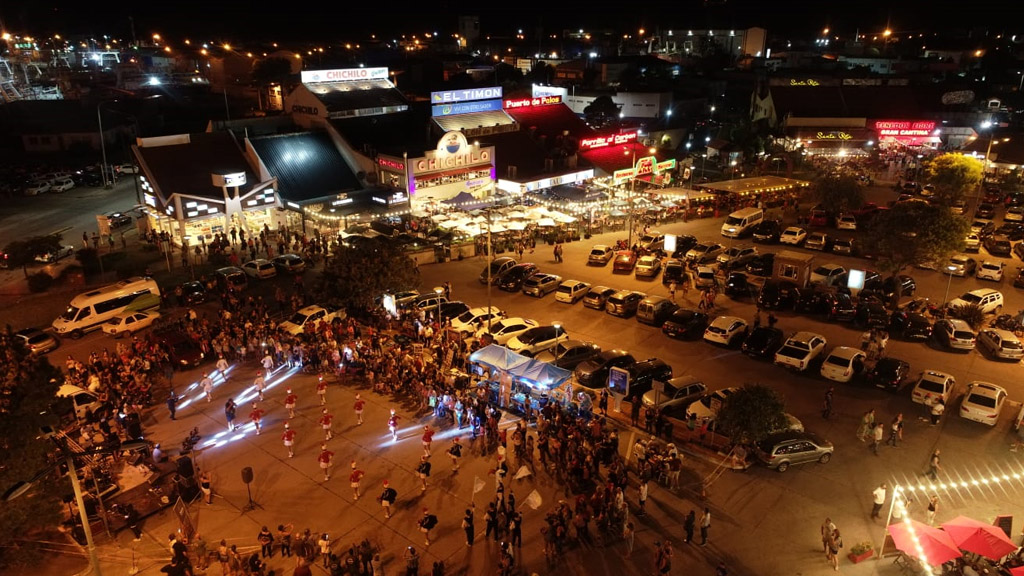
(308, 318)
(800, 350)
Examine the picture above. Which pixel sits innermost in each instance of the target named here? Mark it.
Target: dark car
(672, 270)
(292, 263)
(644, 373)
(686, 324)
(569, 353)
(1018, 282)
(811, 302)
(738, 286)
(118, 219)
(763, 342)
(452, 310)
(767, 232)
(497, 267)
(185, 352)
(624, 261)
(778, 294)
(871, 314)
(193, 293)
(998, 245)
(1012, 230)
(894, 286)
(986, 210)
(513, 278)
(1018, 250)
(888, 373)
(762, 265)
(683, 244)
(838, 307)
(910, 325)
(593, 373)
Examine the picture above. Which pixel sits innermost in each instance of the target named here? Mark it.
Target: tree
(356, 276)
(838, 193)
(601, 112)
(24, 252)
(28, 385)
(274, 70)
(751, 414)
(954, 175)
(912, 232)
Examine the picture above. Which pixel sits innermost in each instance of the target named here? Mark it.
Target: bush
(40, 282)
(90, 260)
(861, 547)
(970, 313)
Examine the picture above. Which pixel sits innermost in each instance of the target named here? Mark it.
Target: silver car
(783, 449)
(1001, 344)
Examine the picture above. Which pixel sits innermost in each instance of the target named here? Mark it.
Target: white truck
(800, 350)
(309, 317)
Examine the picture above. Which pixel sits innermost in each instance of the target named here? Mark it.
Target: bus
(88, 311)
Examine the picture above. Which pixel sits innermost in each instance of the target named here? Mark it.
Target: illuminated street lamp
(949, 271)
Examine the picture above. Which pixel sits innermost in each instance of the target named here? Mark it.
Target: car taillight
(801, 364)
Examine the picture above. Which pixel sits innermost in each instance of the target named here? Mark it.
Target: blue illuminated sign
(465, 107)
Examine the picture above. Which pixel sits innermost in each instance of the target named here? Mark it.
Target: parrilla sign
(531, 102)
(610, 140)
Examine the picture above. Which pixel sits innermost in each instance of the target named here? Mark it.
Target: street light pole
(103, 143)
(949, 272)
(90, 546)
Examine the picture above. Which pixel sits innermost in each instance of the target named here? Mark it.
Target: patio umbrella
(516, 225)
(545, 223)
(1018, 571)
(974, 536)
(516, 214)
(917, 540)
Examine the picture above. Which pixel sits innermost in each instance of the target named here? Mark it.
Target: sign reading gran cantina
(904, 127)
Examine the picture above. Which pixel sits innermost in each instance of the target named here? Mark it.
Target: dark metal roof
(307, 165)
(394, 134)
(186, 168)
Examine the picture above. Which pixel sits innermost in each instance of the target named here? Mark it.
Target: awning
(499, 357)
(540, 374)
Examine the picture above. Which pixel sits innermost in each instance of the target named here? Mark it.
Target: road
(765, 522)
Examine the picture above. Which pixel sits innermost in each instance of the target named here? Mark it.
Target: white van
(90, 310)
(81, 399)
(742, 222)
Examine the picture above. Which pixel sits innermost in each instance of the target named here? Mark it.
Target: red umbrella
(974, 536)
(1018, 571)
(924, 541)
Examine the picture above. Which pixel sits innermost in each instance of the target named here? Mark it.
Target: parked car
(843, 364)
(933, 385)
(1013, 231)
(406, 297)
(654, 310)
(192, 293)
(598, 296)
(648, 266)
(643, 374)
(1014, 214)
(704, 277)
(704, 252)
(983, 228)
(737, 286)
(512, 279)
(624, 303)
(983, 403)
(593, 373)
(778, 294)
(846, 222)
(985, 210)
(954, 334)
(568, 354)
(471, 321)
(998, 245)
(762, 265)
(845, 246)
(428, 302)
(292, 263)
(972, 243)
(684, 323)
(827, 274)
(818, 241)
(763, 342)
(1001, 344)
(600, 255)
(505, 329)
(736, 257)
(672, 270)
(1018, 282)
(678, 394)
(58, 254)
(118, 219)
(259, 268)
(683, 244)
(890, 287)
(496, 268)
(451, 310)
(989, 300)
(60, 185)
(129, 323)
(871, 314)
(888, 373)
(36, 188)
(184, 352)
(990, 270)
(960, 265)
(541, 284)
(726, 330)
(910, 325)
(800, 350)
(1018, 250)
(570, 291)
(706, 409)
(36, 341)
(537, 339)
(308, 318)
(767, 232)
(625, 261)
(783, 449)
(794, 235)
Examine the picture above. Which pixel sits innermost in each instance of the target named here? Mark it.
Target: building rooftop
(473, 120)
(395, 134)
(553, 120)
(307, 165)
(371, 96)
(186, 168)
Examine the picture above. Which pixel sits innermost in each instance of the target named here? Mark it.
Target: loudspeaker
(247, 475)
(185, 468)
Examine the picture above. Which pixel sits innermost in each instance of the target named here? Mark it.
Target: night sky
(328, 21)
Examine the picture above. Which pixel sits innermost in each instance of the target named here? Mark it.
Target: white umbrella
(516, 225)
(516, 214)
(495, 228)
(546, 223)
(439, 217)
(563, 218)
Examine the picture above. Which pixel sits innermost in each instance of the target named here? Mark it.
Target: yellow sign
(808, 82)
(834, 136)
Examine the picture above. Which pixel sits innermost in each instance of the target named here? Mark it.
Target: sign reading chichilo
(344, 75)
(454, 162)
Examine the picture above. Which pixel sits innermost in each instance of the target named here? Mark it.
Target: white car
(571, 290)
(989, 300)
(827, 274)
(62, 252)
(506, 329)
(990, 270)
(128, 168)
(259, 268)
(407, 297)
(470, 321)
(62, 185)
(847, 222)
(793, 235)
(972, 243)
(707, 407)
(800, 350)
(983, 403)
(931, 386)
(537, 339)
(726, 330)
(1014, 214)
(36, 188)
(843, 363)
(128, 323)
(1001, 344)
(647, 267)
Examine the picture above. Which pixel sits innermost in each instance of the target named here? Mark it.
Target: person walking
(423, 469)
(288, 437)
(826, 409)
(387, 498)
(772, 320)
(468, 526)
(412, 562)
(206, 486)
(358, 405)
(876, 438)
(629, 535)
(827, 528)
(835, 543)
(867, 425)
(426, 524)
(256, 416)
(268, 364)
(933, 507)
(491, 522)
(393, 425)
(354, 479)
(689, 523)
(172, 403)
(938, 407)
(284, 539)
(325, 423)
(229, 413)
(455, 452)
(672, 291)
(222, 367)
(705, 525)
(515, 528)
(895, 431)
(259, 383)
(324, 459)
(324, 543)
(642, 491)
(266, 540)
(289, 402)
(428, 436)
(321, 390)
(207, 385)
(878, 498)
(933, 466)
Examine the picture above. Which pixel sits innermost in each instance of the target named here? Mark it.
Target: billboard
(465, 107)
(610, 140)
(531, 102)
(344, 75)
(904, 127)
(466, 95)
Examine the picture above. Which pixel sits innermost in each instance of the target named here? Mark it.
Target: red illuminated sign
(610, 140)
(531, 102)
(904, 127)
(390, 164)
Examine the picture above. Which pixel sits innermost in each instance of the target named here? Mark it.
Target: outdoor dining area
(961, 546)
(518, 383)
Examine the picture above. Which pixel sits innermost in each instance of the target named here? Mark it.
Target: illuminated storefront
(455, 166)
(908, 132)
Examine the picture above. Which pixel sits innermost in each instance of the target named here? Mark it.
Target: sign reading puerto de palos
(344, 75)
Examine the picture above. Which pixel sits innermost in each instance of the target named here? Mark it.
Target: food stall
(516, 382)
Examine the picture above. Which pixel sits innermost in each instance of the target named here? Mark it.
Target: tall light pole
(632, 191)
(949, 272)
(103, 142)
